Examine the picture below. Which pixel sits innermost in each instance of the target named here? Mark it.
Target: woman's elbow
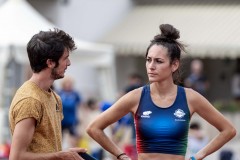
(90, 130)
(232, 132)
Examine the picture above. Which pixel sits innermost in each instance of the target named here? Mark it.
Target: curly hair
(48, 45)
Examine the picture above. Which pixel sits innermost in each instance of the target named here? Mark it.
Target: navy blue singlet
(162, 130)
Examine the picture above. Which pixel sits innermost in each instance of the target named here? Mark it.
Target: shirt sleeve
(28, 108)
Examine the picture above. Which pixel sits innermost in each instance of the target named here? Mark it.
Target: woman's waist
(159, 156)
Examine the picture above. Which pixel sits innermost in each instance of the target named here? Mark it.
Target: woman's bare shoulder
(195, 100)
(136, 92)
(192, 95)
(133, 98)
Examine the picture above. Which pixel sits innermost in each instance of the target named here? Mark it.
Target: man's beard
(55, 75)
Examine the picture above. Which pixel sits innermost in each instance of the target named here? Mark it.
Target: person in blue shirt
(71, 101)
(162, 109)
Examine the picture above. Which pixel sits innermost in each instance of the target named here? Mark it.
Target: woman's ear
(175, 65)
(50, 63)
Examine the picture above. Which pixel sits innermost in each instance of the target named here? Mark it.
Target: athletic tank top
(162, 130)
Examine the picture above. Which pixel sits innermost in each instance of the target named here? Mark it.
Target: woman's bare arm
(200, 105)
(127, 103)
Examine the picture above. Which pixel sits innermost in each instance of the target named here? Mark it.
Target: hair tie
(121, 155)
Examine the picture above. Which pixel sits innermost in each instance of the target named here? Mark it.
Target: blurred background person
(90, 109)
(4, 150)
(124, 129)
(236, 82)
(197, 139)
(227, 154)
(197, 80)
(71, 101)
(135, 80)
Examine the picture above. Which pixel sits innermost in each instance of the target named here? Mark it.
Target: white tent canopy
(19, 22)
(209, 31)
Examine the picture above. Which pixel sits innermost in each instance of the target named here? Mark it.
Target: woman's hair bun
(169, 32)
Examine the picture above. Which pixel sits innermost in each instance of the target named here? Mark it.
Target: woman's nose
(152, 65)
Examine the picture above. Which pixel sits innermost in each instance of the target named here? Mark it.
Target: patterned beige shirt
(46, 108)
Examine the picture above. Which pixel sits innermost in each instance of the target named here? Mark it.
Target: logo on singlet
(179, 114)
(146, 114)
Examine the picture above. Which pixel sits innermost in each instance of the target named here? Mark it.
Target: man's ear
(51, 63)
